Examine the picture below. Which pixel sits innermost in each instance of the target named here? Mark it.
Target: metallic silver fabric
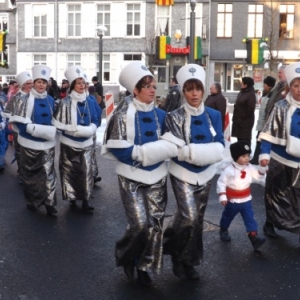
(38, 176)
(17, 149)
(282, 196)
(177, 124)
(276, 123)
(94, 157)
(116, 128)
(76, 174)
(183, 236)
(145, 208)
(63, 113)
(17, 106)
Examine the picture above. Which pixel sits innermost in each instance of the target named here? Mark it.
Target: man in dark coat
(173, 99)
(243, 113)
(278, 93)
(99, 89)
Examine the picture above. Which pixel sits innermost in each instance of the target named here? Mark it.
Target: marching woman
(280, 149)
(3, 140)
(76, 117)
(25, 83)
(33, 117)
(133, 138)
(197, 130)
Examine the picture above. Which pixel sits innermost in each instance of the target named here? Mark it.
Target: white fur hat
(190, 71)
(132, 74)
(41, 72)
(75, 72)
(22, 77)
(292, 71)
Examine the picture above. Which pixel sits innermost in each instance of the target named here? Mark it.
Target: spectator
(217, 101)
(53, 89)
(173, 99)
(99, 89)
(64, 89)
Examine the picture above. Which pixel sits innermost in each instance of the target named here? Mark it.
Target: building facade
(63, 33)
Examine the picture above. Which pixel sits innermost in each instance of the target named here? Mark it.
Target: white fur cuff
(154, 152)
(84, 131)
(173, 139)
(47, 132)
(206, 154)
(184, 153)
(264, 156)
(222, 198)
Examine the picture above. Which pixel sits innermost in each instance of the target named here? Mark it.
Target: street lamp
(100, 32)
(192, 32)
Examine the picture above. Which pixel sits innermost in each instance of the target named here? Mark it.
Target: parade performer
(98, 110)
(25, 83)
(3, 140)
(233, 188)
(197, 130)
(133, 138)
(77, 119)
(33, 117)
(280, 144)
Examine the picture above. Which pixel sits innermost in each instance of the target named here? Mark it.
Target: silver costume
(191, 175)
(143, 192)
(282, 190)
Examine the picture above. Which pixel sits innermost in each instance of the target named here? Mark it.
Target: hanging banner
(255, 53)
(197, 46)
(161, 44)
(164, 2)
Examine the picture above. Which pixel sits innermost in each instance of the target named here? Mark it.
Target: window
(74, 20)
(39, 20)
(39, 59)
(224, 21)
(73, 60)
(105, 66)
(3, 22)
(255, 20)
(10, 77)
(103, 16)
(133, 19)
(132, 57)
(286, 21)
(163, 20)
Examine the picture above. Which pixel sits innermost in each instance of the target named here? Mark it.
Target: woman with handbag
(280, 144)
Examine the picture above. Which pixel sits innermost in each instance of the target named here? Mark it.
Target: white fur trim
(190, 177)
(19, 119)
(107, 154)
(62, 126)
(184, 153)
(173, 139)
(154, 152)
(135, 152)
(6, 115)
(43, 131)
(30, 144)
(2, 125)
(222, 197)
(285, 161)
(65, 140)
(206, 154)
(271, 139)
(82, 131)
(143, 176)
(264, 156)
(30, 128)
(130, 121)
(118, 144)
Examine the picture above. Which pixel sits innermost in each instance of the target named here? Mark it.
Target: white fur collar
(193, 111)
(140, 106)
(77, 97)
(238, 166)
(38, 95)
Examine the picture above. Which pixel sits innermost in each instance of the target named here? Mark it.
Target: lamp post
(100, 32)
(192, 32)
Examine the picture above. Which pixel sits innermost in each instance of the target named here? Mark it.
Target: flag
(255, 53)
(197, 46)
(161, 43)
(164, 2)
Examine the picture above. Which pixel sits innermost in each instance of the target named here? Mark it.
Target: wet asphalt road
(71, 256)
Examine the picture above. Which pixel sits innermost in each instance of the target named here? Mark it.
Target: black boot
(191, 272)
(50, 209)
(256, 240)
(86, 206)
(72, 203)
(269, 230)
(144, 278)
(224, 235)
(129, 269)
(178, 268)
(97, 179)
